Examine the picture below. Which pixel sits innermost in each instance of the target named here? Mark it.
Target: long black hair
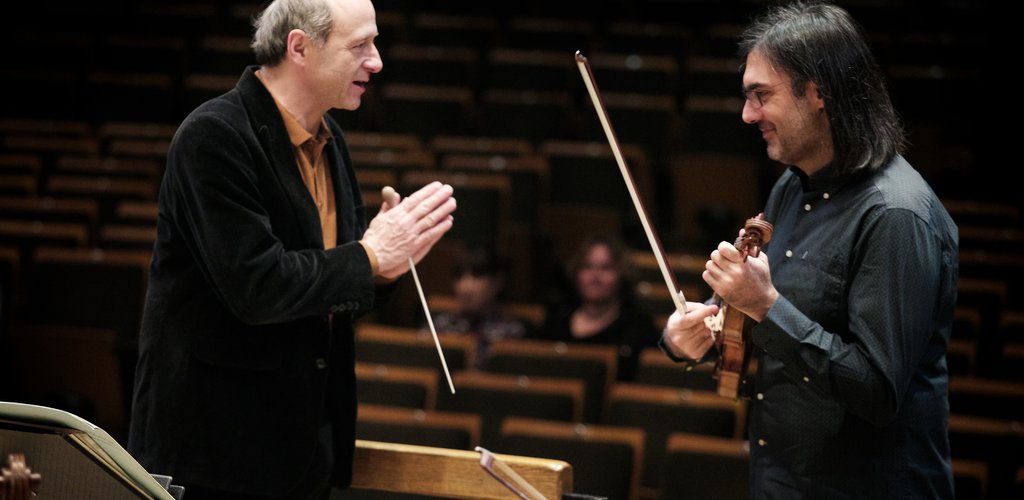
(821, 43)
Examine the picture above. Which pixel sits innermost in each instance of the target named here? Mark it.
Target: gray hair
(270, 40)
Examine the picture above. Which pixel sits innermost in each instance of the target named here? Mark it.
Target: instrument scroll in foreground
(730, 326)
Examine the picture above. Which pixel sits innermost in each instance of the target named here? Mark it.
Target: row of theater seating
(573, 387)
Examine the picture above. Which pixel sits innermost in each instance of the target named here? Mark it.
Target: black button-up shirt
(850, 398)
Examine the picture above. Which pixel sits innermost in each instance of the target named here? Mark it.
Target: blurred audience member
(478, 283)
(602, 309)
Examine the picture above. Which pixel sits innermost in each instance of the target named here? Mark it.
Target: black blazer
(240, 360)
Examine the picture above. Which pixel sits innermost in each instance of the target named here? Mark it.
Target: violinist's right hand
(686, 334)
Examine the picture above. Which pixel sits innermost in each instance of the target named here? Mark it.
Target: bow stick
(588, 78)
(390, 196)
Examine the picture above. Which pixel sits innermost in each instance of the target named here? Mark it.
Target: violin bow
(391, 196)
(602, 114)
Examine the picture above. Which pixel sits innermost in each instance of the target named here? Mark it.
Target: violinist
(852, 300)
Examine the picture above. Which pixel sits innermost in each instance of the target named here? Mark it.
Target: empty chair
(429, 28)
(510, 146)
(984, 397)
(426, 110)
(655, 368)
(107, 191)
(697, 187)
(535, 114)
(457, 431)
(394, 385)
(702, 467)
(636, 72)
(970, 479)
(432, 64)
(126, 237)
(999, 443)
(563, 35)
(531, 69)
(661, 411)
(27, 236)
(495, 396)
(593, 364)
(147, 169)
(401, 346)
(484, 203)
(76, 369)
(607, 460)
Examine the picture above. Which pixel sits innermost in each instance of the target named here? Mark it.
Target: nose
(374, 63)
(750, 114)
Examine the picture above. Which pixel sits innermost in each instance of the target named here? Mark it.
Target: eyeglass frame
(757, 93)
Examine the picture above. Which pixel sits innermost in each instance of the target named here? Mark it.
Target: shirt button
(807, 207)
(825, 195)
(761, 442)
(760, 396)
(806, 379)
(789, 253)
(321, 363)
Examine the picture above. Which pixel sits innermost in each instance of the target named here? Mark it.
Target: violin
(730, 327)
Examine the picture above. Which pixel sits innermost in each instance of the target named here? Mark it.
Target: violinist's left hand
(743, 284)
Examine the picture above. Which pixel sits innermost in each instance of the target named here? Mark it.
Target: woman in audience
(602, 308)
(478, 282)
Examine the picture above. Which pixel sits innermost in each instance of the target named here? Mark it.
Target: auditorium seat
(635, 72)
(655, 368)
(27, 236)
(396, 385)
(595, 365)
(495, 396)
(142, 213)
(48, 209)
(719, 181)
(550, 33)
(970, 479)
(107, 191)
(999, 443)
(459, 30)
(527, 175)
(536, 70)
(126, 237)
(701, 467)
(484, 203)
(607, 461)
(664, 37)
(537, 115)
(426, 110)
(452, 430)
(986, 397)
(404, 346)
(660, 410)
(73, 368)
(505, 146)
(147, 169)
(432, 64)
(359, 140)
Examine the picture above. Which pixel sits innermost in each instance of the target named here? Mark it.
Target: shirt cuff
(375, 265)
(711, 355)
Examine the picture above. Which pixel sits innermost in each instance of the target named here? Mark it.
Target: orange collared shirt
(309, 155)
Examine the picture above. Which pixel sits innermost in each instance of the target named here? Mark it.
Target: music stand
(74, 458)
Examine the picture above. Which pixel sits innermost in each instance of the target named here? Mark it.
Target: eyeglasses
(757, 94)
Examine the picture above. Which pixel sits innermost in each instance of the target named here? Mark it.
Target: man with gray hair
(853, 296)
(245, 386)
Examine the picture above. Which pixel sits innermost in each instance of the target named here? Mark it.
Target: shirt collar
(296, 133)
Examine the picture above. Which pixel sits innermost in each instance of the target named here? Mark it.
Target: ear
(813, 96)
(298, 46)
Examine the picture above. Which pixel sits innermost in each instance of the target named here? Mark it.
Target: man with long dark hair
(853, 296)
